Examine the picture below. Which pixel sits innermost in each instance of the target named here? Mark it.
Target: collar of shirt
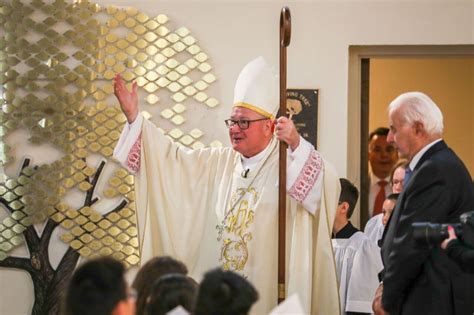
(420, 153)
(374, 180)
(249, 163)
(346, 232)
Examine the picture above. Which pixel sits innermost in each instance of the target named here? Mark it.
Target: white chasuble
(205, 209)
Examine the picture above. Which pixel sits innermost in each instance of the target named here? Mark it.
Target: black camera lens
(432, 234)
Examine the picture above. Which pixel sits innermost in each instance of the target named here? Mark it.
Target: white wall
(233, 32)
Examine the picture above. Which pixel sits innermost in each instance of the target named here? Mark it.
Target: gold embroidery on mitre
(234, 232)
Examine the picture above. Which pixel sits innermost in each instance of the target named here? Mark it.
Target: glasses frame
(242, 123)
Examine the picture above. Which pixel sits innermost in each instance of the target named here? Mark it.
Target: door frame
(358, 103)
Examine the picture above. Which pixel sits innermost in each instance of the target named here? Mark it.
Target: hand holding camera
(452, 236)
(456, 239)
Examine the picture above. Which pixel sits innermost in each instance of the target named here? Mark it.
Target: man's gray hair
(417, 106)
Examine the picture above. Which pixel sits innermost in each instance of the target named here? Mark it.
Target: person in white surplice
(218, 206)
(358, 260)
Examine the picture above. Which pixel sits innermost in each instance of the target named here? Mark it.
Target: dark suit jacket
(422, 280)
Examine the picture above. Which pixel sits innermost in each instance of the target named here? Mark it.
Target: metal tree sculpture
(49, 283)
(57, 59)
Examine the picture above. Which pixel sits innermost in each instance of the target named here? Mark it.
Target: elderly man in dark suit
(422, 280)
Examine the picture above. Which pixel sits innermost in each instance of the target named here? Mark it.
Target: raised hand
(285, 130)
(128, 100)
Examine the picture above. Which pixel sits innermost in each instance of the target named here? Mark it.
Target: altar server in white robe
(218, 206)
(358, 264)
(358, 260)
(376, 225)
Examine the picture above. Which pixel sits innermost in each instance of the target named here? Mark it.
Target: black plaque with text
(302, 106)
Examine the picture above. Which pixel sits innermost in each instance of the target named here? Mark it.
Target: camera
(432, 234)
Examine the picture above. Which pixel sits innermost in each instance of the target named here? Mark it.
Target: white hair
(417, 106)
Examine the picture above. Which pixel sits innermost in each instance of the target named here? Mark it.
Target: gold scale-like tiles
(54, 87)
(30, 198)
(36, 195)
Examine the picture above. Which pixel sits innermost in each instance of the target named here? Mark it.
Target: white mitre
(257, 88)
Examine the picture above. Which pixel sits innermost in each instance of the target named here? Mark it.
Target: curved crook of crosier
(285, 27)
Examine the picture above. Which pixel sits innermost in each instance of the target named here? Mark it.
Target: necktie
(408, 172)
(380, 198)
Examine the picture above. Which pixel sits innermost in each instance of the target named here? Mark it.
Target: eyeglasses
(242, 123)
(397, 181)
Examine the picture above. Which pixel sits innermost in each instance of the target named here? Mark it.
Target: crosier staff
(285, 35)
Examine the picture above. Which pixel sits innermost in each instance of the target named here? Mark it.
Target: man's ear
(419, 128)
(344, 208)
(271, 125)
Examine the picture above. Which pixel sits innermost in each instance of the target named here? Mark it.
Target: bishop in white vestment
(218, 206)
